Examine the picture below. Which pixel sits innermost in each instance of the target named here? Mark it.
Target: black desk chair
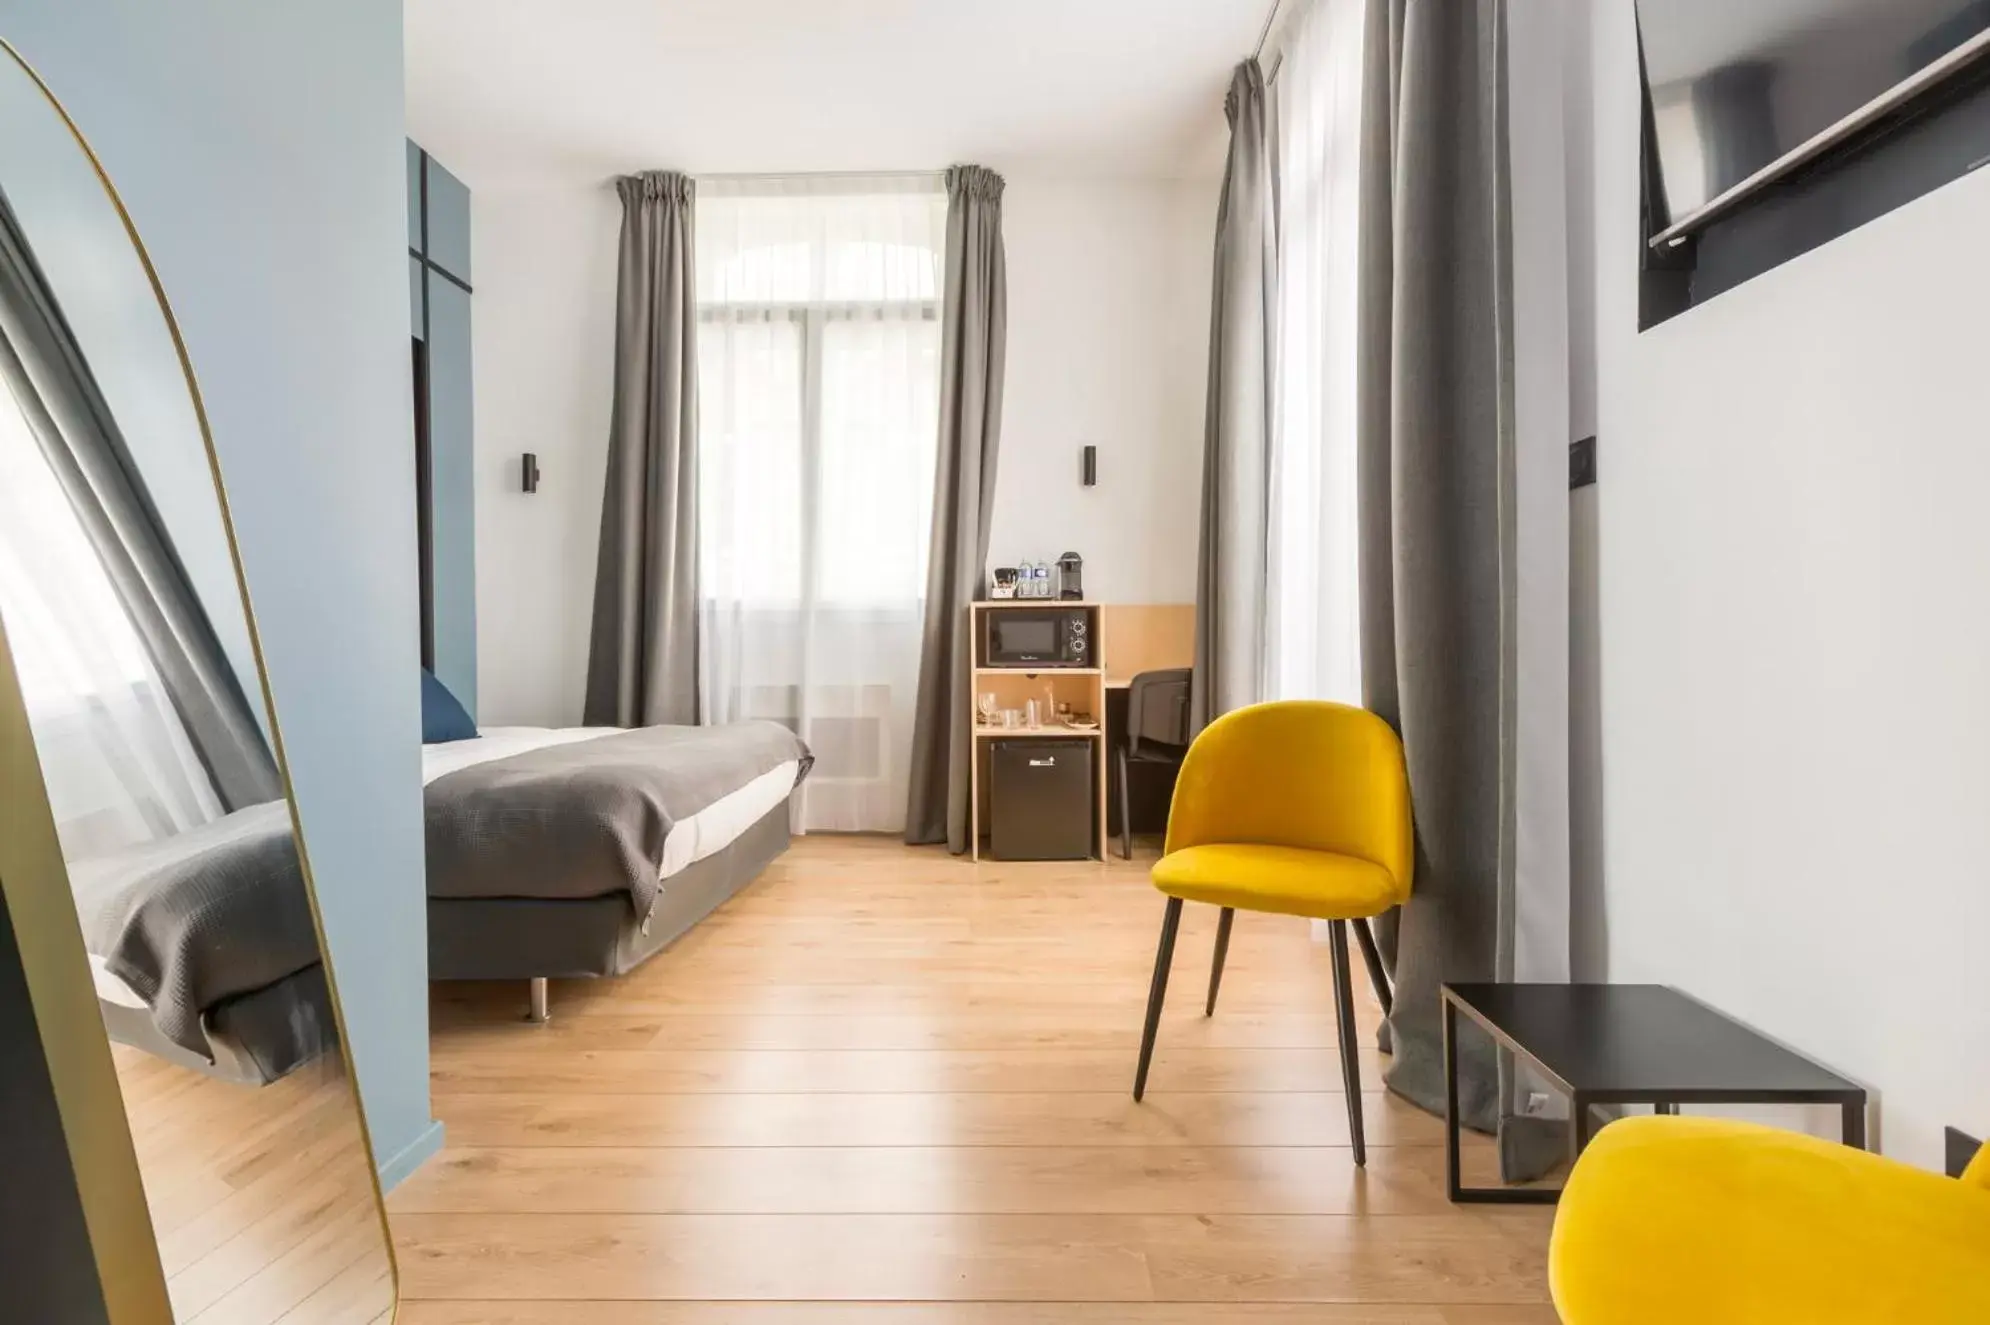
(1156, 732)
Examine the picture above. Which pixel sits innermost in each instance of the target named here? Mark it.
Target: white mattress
(499, 743)
(711, 830)
(111, 989)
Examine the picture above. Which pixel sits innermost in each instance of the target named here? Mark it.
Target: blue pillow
(443, 717)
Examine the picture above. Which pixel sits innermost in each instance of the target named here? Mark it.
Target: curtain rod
(819, 174)
(1265, 35)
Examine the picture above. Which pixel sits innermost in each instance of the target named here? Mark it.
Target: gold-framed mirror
(153, 864)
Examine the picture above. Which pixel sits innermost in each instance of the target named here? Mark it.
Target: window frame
(813, 317)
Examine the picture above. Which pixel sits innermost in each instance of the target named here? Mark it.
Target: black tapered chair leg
(1216, 965)
(1350, 1047)
(1157, 993)
(1372, 957)
(1125, 807)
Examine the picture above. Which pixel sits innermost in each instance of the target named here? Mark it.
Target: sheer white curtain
(115, 758)
(1313, 629)
(818, 386)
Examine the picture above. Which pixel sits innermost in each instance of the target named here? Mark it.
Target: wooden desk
(1083, 688)
(1146, 637)
(1129, 638)
(1142, 637)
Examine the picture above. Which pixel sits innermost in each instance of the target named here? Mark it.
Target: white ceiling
(514, 92)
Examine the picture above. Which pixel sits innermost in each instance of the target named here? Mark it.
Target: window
(1313, 626)
(818, 383)
(818, 400)
(115, 758)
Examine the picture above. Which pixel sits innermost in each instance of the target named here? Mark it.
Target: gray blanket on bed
(220, 911)
(192, 920)
(589, 819)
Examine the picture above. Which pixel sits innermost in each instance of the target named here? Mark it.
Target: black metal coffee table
(1629, 1044)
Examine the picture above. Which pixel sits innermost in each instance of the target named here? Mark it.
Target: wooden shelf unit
(1084, 688)
(1039, 671)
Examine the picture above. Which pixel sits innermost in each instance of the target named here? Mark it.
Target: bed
(559, 853)
(551, 853)
(203, 948)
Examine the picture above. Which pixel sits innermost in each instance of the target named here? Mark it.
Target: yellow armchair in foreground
(1700, 1221)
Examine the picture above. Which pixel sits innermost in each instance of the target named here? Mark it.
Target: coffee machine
(1071, 576)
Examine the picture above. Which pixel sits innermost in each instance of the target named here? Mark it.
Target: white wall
(1538, 155)
(1108, 345)
(1795, 679)
(544, 319)
(1108, 328)
(1585, 734)
(260, 150)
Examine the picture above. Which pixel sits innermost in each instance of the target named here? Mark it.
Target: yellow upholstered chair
(1299, 807)
(1670, 1220)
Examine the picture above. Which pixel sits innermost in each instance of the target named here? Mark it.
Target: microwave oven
(1036, 637)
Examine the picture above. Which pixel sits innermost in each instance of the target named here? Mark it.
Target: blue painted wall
(441, 313)
(453, 489)
(260, 148)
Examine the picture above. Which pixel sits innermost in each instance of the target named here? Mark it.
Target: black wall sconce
(529, 472)
(1089, 467)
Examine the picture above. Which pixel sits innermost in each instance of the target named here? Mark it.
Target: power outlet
(1582, 462)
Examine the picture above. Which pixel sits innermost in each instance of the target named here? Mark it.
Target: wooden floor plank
(890, 1071)
(884, 1085)
(1279, 1118)
(1116, 1030)
(588, 1312)
(1093, 1258)
(261, 1197)
(933, 1179)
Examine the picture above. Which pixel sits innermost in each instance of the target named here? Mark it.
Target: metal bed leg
(541, 1003)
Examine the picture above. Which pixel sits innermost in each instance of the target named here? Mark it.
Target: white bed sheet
(711, 830)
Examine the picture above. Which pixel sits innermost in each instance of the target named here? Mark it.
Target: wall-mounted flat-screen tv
(1741, 87)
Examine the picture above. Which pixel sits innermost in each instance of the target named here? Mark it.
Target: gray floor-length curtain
(1230, 568)
(66, 411)
(974, 335)
(1436, 456)
(642, 663)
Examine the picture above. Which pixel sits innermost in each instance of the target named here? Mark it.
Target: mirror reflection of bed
(130, 651)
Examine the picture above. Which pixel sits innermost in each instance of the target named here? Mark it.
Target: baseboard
(412, 1157)
(1961, 1149)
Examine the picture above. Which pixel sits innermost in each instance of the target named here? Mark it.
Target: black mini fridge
(1041, 799)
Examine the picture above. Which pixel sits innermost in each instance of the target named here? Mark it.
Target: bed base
(535, 940)
(258, 1038)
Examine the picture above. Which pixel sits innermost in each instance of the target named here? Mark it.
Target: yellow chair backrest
(1298, 773)
(1978, 1171)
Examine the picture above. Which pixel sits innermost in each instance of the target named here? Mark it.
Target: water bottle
(1042, 579)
